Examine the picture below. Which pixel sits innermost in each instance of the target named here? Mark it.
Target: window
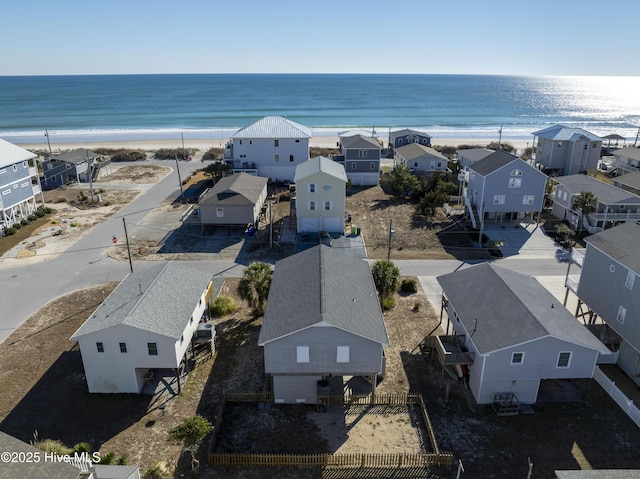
(342, 355)
(564, 359)
(327, 206)
(241, 142)
(276, 158)
(400, 141)
(312, 187)
(276, 143)
(15, 167)
(153, 349)
(528, 199)
(631, 276)
(181, 338)
(291, 158)
(372, 165)
(517, 358)
(100, 347)
(498, 199)
(311, 206)
(415, 164)
(4, 170)
(220, 212)
(564, 196)
(53, 178)
(297, 140)
(302, 354)
(515, 182)
(251, 142)
(622, 312)
(123, 347)
(24, 164)
(362, 153)
(353, 165)
(516, 173)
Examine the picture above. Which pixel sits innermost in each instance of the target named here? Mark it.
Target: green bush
(10, 231)
(40, 212)
(223, 305)
(32, 217)
(408, 286)
(47, 210)
(107, 459)
(153, 472)
(17, 225)
(61, 199)
(388, 303)
(53, 446)
(82, 447)
(24, 221)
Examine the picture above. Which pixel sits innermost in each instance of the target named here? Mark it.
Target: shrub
(53, 446)
(40, 212)
(61, 199)
(74, 224)
(416, 306)
(388, 303)
(82, 447)
(10, 231)
(24, 221)
(32, 217)
(107, 459)
(47, 210)
(408, 286)
(17, 225)
(153, 472)
(223, 305)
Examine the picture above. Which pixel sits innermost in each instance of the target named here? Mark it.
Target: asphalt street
(25, 289)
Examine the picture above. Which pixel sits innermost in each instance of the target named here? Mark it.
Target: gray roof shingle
(237, 189)
(317, 164)
(475, 154)
(416, 150)
(76, 156)
(159, 299)
(493, 162)
(510, 308)
(32, 470)
(323, 285)
(621, 243)
(631, 180)
(607, 194)
(359, 141)
(407, 131)
(630, 152)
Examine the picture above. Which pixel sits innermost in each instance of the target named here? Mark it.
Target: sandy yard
(142, 174)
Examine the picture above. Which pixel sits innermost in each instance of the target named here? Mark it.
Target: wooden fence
(435, 458)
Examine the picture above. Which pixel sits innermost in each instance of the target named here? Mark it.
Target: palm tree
(386, 278)
(254, 286)
(587, 203)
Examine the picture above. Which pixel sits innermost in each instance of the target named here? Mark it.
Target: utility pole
(390, 237)
(90, 168)
(183, 153)
(637, 135)
(126, 237)
(500, 139)
(46, 133)
(179, 180)
(270, 224)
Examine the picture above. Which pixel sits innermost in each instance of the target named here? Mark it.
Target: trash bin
(357, 231)
(250, 231)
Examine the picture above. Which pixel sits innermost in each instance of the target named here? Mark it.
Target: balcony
(626, 164)
(577, 257)
(572, 283)
(33, 171)
(450, 349)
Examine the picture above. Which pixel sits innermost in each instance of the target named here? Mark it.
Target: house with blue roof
(323, 320)
(147, 323)
(271, 147)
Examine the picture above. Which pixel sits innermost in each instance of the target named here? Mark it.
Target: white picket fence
(618, 396)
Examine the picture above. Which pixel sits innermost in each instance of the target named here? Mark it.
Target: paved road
(23, 290)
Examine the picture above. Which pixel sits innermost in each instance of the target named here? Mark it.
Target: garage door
(334, 225)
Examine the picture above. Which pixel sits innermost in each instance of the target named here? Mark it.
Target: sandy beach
(206, 144)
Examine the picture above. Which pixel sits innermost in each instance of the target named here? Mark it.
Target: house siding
(320, 219)
(295, 389)
(13, 187)
(280, 354)
(233, 215)
(262, 151)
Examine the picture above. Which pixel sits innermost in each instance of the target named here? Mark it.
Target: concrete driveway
(524, 241)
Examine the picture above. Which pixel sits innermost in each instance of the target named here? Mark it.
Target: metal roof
(416, 150)
(325, 286)
(274, 127)
(475, 154)
(620, 243)
(159, 299)
(237, 189)
(501, 308)
(607, 194)
(320, 164)
(11, 154)
(565, 133)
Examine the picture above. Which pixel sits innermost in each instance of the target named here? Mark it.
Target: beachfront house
(629, 182)
(502, 187)
(19, 184)
(406, 136)
(72, 166)
(360, 156)
(515, 334)
(146, 328)
(615, 205)
(320, 197)
(608, 283)
(626, 160)
(73, 466)
(234, 200)
(271, 147)
(561, 150)
(420, 159)
(323, 320)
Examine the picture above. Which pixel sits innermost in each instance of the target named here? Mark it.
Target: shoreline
(206, 144)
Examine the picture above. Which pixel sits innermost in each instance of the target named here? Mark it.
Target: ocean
(213, 106)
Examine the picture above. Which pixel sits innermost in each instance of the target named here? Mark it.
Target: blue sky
(519, 37)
